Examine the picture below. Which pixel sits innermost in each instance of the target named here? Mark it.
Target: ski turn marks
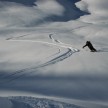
(65, 51)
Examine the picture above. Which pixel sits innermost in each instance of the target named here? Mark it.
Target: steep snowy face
(30, 13)
(97, 8)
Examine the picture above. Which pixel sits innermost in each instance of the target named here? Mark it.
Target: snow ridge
(32, 102)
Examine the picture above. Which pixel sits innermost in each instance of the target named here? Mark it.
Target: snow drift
(30, 102)
(97, 9)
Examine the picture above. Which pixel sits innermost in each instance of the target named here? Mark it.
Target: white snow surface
(97, 8)
(41, 53)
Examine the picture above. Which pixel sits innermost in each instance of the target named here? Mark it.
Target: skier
(90, 46)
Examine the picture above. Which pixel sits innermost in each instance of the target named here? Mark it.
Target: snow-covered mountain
(41, 51)
(35, 12)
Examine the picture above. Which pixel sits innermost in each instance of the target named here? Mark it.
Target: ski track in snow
(66, 52)
(17, 37)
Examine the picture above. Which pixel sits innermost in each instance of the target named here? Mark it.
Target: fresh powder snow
(42, 62)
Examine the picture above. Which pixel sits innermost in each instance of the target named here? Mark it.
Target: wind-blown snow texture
(41, 51)
(41, 103)
(30, 102)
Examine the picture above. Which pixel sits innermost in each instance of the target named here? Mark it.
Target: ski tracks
(65, 51)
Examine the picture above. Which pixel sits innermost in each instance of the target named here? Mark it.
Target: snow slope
(35, 12)
(41, 51)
